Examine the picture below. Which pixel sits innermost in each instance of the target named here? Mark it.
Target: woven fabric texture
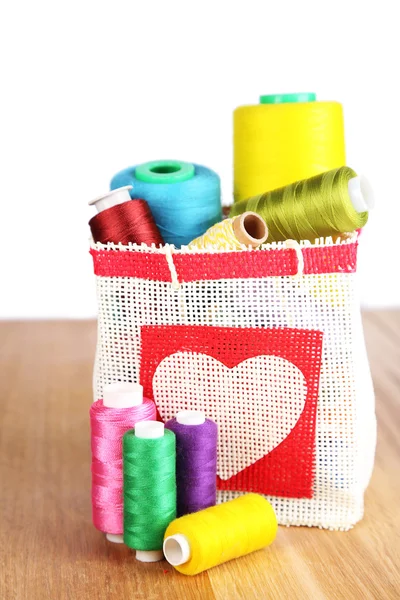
(278, 360)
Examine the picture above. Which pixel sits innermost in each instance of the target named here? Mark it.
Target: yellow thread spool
(284, 139)
(200, 541)
(248, 229)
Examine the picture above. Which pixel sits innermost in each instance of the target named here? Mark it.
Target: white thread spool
(149, 430)
(112, 198)
(121, 395)
(361, 194)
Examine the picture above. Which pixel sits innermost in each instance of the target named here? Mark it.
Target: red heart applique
(259, 384)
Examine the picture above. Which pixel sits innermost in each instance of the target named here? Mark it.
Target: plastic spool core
(191, 417)
(287, 98)
(122, 395)
(112, 198)
(177, 549)
(116, 538)
(149, 430)
(165, 171)
(361, 194)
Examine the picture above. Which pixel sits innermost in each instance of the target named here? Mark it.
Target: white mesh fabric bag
(269, 343)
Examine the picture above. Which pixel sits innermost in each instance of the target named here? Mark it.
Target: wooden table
(49, 548)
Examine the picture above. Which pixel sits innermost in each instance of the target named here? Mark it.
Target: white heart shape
(255, 404)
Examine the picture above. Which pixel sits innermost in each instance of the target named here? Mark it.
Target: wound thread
(130, 222)
(248, 229)
(200, 541)
(184, 198)
(196, 464)
(108, 425)
(284, 139)
(149, 489)
(308, 209)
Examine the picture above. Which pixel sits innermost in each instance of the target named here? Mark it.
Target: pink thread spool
(122, 407)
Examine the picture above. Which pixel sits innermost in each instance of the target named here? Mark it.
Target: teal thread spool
(149, 459)
(184, 198)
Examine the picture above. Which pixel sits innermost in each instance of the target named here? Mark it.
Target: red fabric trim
(224, 265)
(289, 469)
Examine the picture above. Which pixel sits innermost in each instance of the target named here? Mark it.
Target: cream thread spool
(247, 229)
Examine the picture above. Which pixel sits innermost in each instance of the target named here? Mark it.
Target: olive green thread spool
(149, 460)
(329, 204)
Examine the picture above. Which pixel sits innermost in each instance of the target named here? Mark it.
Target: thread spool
(184, 198)
(329, 204)
(122, 407)
(122, 220)
(202, 540)
(248, 229)
(196, 461)
(149, 488)
(285, 138)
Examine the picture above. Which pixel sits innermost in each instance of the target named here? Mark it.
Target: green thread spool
(332, 203)
(149, 488)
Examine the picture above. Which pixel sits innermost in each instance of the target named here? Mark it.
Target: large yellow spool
(284, 139)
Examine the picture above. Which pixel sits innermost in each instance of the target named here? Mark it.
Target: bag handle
(293, 245)
(169, 248)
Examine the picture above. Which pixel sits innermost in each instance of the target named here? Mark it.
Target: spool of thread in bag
(200, 541)
(331, 203)
(248, 229)
(285, 138)
(149, 488)
(122, 220)
(122, 407)
(184, 198)
(196, 461)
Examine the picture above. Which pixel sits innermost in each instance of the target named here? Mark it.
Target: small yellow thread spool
(202, 540)
(248, 229)
(284, 139)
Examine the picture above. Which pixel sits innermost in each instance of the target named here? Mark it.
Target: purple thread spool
(196, 461)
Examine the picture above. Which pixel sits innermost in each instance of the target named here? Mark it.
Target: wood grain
(49, 549)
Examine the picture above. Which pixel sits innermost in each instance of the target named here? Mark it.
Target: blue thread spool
(184, 198)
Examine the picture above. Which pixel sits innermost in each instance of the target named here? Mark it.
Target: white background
(89, 88)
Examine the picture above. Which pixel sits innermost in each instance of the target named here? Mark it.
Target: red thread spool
(122, 220)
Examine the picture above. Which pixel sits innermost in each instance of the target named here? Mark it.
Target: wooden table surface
(49, 548)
